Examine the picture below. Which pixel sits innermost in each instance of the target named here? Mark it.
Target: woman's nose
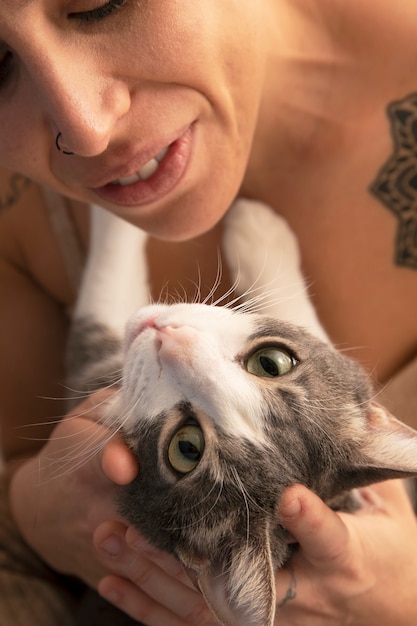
(82, 103)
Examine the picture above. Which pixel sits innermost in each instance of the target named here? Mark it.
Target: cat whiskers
(254, 299)
(77, 453)
(246, 498)
(259, 299)
(218, 279)
(327, 406)
(180, 293)
(197, 505)
(59, 419)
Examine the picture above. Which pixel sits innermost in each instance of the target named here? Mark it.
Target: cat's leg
(263, 256)
(114, 285)
(115, 278)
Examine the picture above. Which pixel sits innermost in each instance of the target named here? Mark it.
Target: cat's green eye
(186, 448)
(270, 362)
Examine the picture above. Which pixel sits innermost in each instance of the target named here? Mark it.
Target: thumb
(118, 462)
(321, 533)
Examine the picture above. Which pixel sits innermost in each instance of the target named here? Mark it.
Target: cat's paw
(260, 248)
(115, 279)
(113, 232)
(264, 260)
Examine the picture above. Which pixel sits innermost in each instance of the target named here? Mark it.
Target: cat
(226, 406)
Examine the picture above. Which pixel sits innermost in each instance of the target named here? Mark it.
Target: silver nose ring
(58, 147)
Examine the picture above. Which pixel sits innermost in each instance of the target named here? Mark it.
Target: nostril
(135, 331)
(149, 323)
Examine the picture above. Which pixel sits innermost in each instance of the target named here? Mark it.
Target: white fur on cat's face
(193, 353)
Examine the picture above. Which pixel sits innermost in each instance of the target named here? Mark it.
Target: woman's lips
(145, 172)
(154, 179)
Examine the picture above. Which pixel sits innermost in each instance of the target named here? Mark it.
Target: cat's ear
(240, 587)
(389, 450)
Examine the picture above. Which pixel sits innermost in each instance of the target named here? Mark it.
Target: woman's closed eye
(6, 67)
(98, 13)
(89, 15)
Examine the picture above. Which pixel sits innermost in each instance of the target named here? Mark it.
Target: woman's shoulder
(39, 236)
(12, 188)
(20, 202)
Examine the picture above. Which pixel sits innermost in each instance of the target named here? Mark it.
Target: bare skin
(301, 124)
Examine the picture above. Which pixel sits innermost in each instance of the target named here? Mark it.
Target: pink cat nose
(177, 342)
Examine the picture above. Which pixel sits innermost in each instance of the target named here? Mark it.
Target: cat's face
(202, 356)
(224, 410)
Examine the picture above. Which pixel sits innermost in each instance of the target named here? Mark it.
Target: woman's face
(123, 82)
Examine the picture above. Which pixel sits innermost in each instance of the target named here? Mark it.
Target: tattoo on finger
(291, 591)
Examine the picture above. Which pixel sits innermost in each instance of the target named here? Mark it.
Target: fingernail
(112, 545)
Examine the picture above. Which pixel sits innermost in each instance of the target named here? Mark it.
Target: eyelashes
(7, 60)
(6, 68)
(98, 14)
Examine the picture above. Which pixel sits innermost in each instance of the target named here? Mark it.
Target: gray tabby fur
(186, 364)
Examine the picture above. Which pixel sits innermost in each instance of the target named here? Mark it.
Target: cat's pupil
(269, 366)
(188, 450)
(270, 362)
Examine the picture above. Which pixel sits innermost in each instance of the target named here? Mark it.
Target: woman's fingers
(169, 564)
(147, 584)
(321, 533)
(331, 577)
(128, 597)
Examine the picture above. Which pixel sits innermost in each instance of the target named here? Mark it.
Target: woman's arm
(33, 326)
(61, 485)
(62, 493)
(32, 338)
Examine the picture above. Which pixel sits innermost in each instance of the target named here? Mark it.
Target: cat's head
(224, 410)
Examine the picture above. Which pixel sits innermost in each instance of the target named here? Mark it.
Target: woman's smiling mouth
(144, 173)
(159, 175)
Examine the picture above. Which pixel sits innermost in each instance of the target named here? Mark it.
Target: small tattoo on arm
(17, 185)
(396, 182)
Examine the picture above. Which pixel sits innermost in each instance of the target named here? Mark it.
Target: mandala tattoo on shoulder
(396, 183)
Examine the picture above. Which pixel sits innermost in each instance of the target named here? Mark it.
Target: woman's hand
(60, 496)
(356, 569)
(151, 586)
(64, 503)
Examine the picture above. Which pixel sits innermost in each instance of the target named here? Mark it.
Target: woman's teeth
(144, 173)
